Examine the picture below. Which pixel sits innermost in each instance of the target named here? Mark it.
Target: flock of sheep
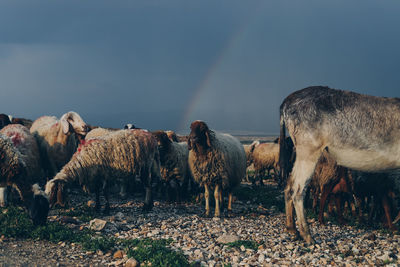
(334, 146)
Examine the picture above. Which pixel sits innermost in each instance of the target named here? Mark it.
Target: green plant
(155, 252)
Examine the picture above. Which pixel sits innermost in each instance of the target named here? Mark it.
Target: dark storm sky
(161, 64)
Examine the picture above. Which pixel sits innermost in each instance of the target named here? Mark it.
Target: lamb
(174, 164)
(17, 170)
(58, 139)
(99, 163)
(217, 161)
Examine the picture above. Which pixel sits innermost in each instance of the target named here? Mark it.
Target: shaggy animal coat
(174, 163)
(359, 131)
(216, 161)
(58, 139)
(14, 172)
(99, 163)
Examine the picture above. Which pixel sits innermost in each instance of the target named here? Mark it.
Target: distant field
(247, 139)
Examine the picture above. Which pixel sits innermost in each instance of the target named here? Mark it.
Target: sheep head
(249, 149)
(55, 191)
(129, 126)
(199, 137)
(71, 122)
(172, 136)
(4, 120)
(39, 206)
(163, 142)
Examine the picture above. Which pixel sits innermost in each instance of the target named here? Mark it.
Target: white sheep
(217, 161)
(58, 139)
(115, 158)
(18, 170)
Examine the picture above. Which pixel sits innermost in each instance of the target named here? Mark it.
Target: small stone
(97, 224)
(91, 204)
(119, 254)
(131, 263)
(261, 258)
(225, 239)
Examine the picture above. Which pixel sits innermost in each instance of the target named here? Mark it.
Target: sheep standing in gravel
(58, 139)
(265, 157)
(330, 179)
(174, 165)
(19, 168)
(100, 163)
(248, 149)
(217, 161)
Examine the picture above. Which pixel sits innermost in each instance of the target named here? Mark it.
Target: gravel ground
(202, 239)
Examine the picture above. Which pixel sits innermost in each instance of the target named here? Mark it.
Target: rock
(131, 263)
(119, 254)
(91, 204)
(225, 239)
(119, 216)
(97, 224)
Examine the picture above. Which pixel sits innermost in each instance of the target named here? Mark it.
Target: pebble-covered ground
(203, 240)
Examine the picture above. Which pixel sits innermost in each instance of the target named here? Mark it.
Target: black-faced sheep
(25, 122)
(58, 139)
(174, 166)
(217, 161)
(16, 172)
(172, 136)
(100, 163)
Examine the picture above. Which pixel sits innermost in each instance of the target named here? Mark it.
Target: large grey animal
(100, 163)
(359, 131)
(217, 161)
(58, 139)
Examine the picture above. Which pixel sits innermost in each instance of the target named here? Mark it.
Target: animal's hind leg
(290, 226)
(301, 176)
(106, 196)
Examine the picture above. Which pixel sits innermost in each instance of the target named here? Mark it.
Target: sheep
(172, 136)
(57, 139)
(129, 126)
(216, 161)
(25, 122)
(265, 157)
(381, 187)
(4, 120)
(360, 132)
(16, 172)
(98, 132)
(330, 179)
(99, 163)
(248, 149)
(174, 164)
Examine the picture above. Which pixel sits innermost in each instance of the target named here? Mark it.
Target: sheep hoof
(147, 208)
(206, 214)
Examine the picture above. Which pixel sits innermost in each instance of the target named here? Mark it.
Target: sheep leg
(326, 190)
(97, 205)
(339, 211)
(217, 212)
(230, 202)
(386, 207)
(106, 196)
(207, 199)
(148, 202)
(221, 200)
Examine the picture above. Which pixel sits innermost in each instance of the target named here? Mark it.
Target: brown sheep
(217, 161)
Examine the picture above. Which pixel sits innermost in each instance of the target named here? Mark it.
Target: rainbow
(201, 88)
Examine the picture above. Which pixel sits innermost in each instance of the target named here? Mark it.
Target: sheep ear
(208, 139)
(64, 123)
